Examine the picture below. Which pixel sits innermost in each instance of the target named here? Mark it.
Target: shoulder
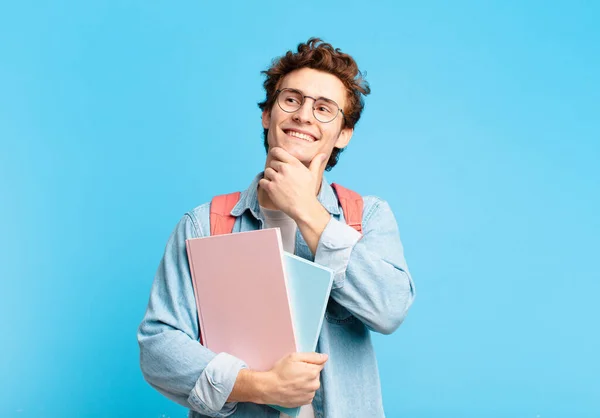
(376, 209)
(199, 219)
(372, 204)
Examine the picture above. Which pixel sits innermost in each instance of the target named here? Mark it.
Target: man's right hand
(291, 382)
(294, 379)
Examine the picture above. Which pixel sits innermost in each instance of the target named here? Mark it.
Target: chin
(297, 150)
(300, 153)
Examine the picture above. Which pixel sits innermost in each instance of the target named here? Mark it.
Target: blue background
(482, 132)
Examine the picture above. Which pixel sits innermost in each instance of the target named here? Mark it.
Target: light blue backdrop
(482, 132)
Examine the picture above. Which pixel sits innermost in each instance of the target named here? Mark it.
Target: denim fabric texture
(372, 292)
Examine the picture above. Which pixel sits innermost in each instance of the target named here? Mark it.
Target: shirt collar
(249, 199)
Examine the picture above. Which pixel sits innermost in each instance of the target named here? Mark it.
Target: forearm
(186, 372)
(250, 386)
(375, 291)
(371, 277)
(171, 358)
(311, 222)
(172, 363)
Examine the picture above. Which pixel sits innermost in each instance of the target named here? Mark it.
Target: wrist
(311, 214)
(262, 384)
(246, 387)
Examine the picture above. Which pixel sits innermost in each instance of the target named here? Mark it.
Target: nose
(305, 113)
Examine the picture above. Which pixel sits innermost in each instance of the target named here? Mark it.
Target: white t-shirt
(278, 219)
(287, 226)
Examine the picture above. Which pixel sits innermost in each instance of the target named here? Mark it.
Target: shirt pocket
(337, 314)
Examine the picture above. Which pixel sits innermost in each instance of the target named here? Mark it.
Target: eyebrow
(308, 95)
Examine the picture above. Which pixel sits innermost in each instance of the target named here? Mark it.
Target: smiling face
(299, 133)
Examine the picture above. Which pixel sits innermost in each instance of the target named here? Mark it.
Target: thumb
(317, 162)
(313, 358)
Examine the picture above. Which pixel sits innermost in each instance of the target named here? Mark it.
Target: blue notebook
(308, 285)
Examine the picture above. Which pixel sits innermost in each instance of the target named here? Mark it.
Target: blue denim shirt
(372, 291)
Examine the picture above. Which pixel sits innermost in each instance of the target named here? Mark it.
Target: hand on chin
(300, 154)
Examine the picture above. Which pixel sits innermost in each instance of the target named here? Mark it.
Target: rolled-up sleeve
(214, 386)
(334, 249)
(171, 358)
(372, 280)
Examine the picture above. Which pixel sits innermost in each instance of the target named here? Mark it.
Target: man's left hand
(291, 186)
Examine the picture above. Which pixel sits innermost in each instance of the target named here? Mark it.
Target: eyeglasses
(324, 110)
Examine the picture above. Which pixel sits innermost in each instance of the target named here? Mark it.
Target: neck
(264, 200)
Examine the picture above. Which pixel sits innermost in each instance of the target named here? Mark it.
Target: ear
(344, 138)
(266, 118)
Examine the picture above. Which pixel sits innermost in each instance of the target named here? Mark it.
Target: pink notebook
(243, 305)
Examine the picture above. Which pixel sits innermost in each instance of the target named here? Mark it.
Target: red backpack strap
(352, 206)
(221, 220)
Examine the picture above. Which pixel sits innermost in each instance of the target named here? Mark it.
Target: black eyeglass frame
(340, 110)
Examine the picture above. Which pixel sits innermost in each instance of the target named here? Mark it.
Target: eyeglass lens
(324, 110)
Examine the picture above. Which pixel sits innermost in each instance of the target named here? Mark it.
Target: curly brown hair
(321, 56)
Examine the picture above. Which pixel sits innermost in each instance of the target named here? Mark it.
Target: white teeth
(301, 136)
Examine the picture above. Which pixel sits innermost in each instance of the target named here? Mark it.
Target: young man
(314, 97)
